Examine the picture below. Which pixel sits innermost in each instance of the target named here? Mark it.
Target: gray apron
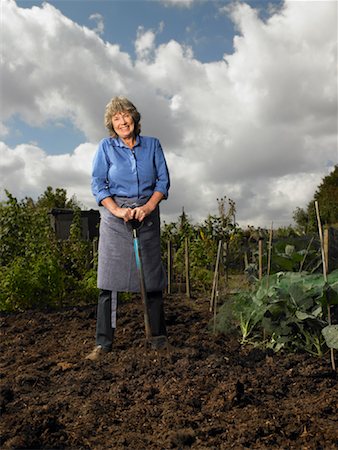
(117, 269)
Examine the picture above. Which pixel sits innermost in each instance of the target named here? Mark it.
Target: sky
(241, 94)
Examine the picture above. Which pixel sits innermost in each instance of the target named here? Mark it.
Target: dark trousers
(105, 322)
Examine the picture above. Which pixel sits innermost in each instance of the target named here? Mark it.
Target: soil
(209, 392)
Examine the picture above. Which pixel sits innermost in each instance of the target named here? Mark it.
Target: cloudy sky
(242, 95)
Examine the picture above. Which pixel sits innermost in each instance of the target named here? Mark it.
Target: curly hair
(121, 104)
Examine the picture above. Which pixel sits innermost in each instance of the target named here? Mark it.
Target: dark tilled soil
(209, 393)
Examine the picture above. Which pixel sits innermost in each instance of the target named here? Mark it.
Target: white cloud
(98, 19)
(54, 68)
(27, 170)
(259, 126)
(145, 42)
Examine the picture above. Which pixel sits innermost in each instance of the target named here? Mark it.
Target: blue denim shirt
(120, 171)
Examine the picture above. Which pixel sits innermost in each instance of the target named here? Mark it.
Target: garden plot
(210, 393)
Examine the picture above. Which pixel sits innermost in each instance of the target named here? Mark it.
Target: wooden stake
(324, 275)
(246, 260)
(215, 281)
(260, 258)
(169, 264)
(227, 261)
(215, 304)
(321, 241)
(326, 248)
(269, 255)
(187, 275)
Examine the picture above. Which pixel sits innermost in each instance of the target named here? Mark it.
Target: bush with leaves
(37, 270)
(326, 195)
(203, 242)
(286, 310)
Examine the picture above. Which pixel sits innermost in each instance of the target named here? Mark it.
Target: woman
(129, 179)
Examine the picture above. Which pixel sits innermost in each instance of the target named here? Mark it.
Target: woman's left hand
(141, 212)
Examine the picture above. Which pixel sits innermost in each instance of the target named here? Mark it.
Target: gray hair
(121, 104)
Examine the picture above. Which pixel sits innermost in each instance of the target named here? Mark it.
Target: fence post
(169, 263)
(187, 275)
(226, 261)
(260, 258)
(269, 256)
(215, 281)
(320, 231)
(326, 249)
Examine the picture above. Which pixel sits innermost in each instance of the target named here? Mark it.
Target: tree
(327, 197)
(301, 218)
(56, 199)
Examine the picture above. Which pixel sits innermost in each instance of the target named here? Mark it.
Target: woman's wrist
(154, 200)
(110, 205)
(150, 206)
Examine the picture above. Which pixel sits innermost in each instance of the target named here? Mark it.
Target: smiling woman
(120, 108)
(124, 125)
(129, 179)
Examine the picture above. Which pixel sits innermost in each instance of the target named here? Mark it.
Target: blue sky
(202, 26)
(242, 95)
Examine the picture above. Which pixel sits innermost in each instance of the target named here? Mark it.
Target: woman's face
(123, 125)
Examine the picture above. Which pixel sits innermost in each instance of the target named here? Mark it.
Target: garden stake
(187, 273)
(169, 260)
(305, 254)
(260, 258)
(215, 304)
(136, 225)
(215, 275)
(325, 276)
(269, 256)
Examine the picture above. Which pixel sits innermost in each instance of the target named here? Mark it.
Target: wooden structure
(61, 220)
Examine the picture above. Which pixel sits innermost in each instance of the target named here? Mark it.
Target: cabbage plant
(287, 310)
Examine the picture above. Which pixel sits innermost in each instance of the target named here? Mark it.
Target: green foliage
(29, 283)
(301, 219)
(289, 309)
(290, 255)
(202, 242)
(56, 199)
(326, 195)
(37, 270)
(330, 334)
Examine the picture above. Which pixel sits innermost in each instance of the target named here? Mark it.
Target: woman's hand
(141, 212)
(124, 213)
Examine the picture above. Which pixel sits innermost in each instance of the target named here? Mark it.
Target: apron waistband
(130, 202)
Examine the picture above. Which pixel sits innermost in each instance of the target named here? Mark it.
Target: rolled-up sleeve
(163, 180)
(100, 184)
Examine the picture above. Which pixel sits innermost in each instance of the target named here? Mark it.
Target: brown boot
(159, 343)
(96, 354)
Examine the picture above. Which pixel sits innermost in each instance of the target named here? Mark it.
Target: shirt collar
(119, 143)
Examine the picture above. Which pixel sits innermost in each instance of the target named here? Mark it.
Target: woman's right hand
(123, 213)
